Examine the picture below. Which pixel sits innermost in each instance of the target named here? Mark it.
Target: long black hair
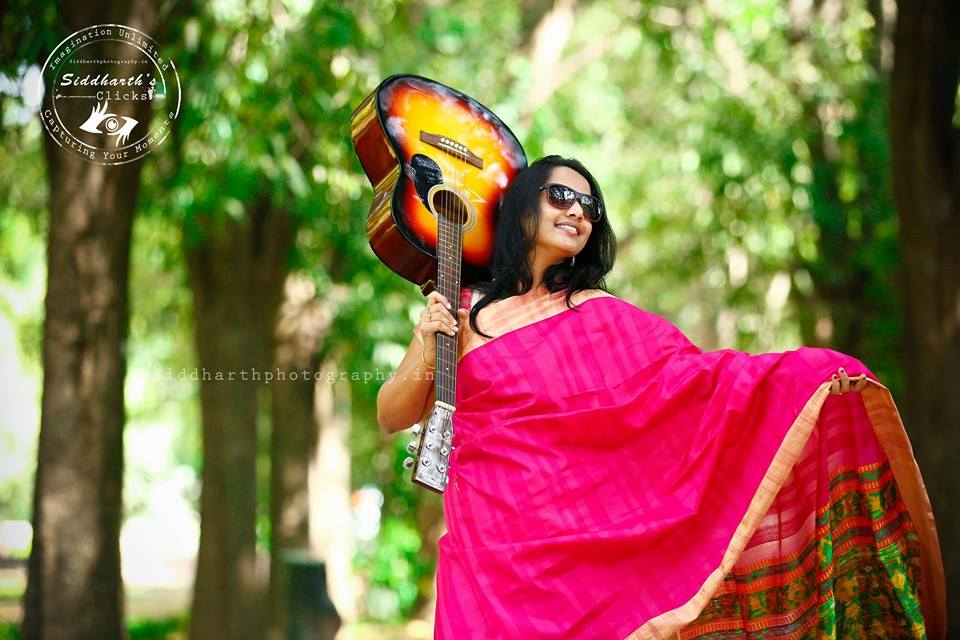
(516, 235)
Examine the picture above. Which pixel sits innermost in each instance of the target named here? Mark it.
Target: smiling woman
(546, 241)
(535, 253)
(609, 479)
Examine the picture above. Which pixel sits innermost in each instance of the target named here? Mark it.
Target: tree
(925, 143)
(74, 588)
(236, 276)
(254, 168)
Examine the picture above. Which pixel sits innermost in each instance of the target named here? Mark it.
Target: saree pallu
(611, 480)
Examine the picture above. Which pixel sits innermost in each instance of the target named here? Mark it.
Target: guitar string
(458, 262)
(445, 265)
(457, 254)
(440, 241)
(451, 286)
(442, 260)
(450, 248)
(444, 290)
(441, 277)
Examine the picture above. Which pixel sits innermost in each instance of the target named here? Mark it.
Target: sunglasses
(563, 197)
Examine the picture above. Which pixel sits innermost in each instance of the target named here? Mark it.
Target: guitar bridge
(452, 147)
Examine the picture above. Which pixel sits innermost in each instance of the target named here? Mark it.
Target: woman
(609, 479)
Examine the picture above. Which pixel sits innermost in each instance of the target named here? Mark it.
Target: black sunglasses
(562, 197)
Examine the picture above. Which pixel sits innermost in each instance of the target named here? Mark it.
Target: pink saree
(610, 480)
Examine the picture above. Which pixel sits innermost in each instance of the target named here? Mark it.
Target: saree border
(888, 427)
(514, 314)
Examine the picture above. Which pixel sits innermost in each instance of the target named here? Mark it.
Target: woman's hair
(516, 234)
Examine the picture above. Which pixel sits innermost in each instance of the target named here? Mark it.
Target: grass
(167, 629)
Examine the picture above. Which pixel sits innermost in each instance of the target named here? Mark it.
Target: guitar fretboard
(449, 249)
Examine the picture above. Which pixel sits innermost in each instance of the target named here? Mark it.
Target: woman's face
(561, 233)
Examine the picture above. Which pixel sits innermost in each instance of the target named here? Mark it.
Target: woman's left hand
(842, 383)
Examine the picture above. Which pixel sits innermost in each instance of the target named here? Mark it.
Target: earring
(573, 260)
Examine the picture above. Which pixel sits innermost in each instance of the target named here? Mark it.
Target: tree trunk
(236, 277)
(331, 538)
(74, 587)
(301, 327)
(926, 178)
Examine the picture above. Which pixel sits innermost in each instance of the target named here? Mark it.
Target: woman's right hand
(404, 398)
(437, 316)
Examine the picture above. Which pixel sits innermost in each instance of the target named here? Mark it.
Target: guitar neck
(449, 251)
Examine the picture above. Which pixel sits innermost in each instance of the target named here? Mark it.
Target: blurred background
(778, 172)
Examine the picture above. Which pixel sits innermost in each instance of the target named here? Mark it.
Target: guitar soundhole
(449, 205)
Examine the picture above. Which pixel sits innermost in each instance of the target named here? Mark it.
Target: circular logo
(112, 96)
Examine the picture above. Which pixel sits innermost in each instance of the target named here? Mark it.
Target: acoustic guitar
(440, 163)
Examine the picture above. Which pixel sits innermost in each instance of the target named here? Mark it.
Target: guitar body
(426, 147)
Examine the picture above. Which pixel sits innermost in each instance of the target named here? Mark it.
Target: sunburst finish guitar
(426, 147)
(440, 163)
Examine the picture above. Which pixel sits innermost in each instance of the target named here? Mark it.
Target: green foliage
(742, 149)
(161, 438)
(392, 565)
(29, 30)
(22, 276)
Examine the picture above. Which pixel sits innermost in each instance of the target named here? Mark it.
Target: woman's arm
(401, 399)
(406, 397)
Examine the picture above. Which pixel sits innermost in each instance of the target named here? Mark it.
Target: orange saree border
(516, 312)
(890, 432)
